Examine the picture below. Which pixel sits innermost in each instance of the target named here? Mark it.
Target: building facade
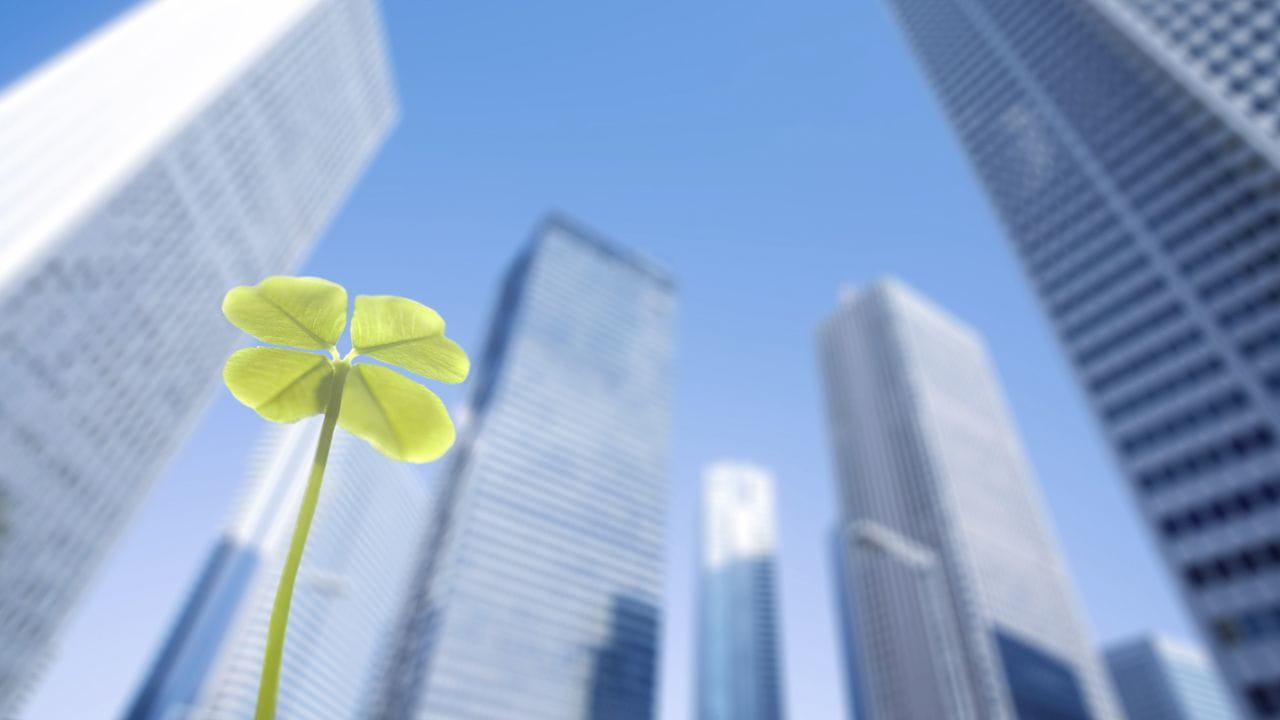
(1132, 150)
(353, 582)
(1158, 678)
(539, 594)
(960, 605)
(189, 147)
(739, 647)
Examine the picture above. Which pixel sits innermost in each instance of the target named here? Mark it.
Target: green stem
(269, 686)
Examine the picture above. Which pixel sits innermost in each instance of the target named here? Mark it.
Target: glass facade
(1131, 149)
(739, 663)
(945, 543)
(1158, 678)
(1042, 686)
(188, 147)
(351, 587)
(539, 594)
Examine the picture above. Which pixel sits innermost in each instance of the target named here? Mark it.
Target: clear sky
(768, 152)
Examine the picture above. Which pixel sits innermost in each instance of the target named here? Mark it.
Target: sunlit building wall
(960, 605)
(1132, 150)
(1158, 678)
(540, 591)
(739, 648)
(354, 579)
(190, 146)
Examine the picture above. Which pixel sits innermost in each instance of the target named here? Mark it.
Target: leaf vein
(295, 320)
(294, 383)
(371, 349)
(382, 413)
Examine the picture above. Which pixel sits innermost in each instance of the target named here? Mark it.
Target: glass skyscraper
(1132, 150)
(958, 605)
(191, 146)
(1158, 678)
(539, 594)
(353, 582)
(739, 651)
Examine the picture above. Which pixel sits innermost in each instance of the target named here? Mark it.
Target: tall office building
(540, 590)
(354, 580)
(739, 652)
(960, 605)
(1132, 150)
(1158, 678)
(190, 146)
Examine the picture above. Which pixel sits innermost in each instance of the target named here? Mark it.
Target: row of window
(1262, 557)
(1210, 411)
(1241, 504)
(1086, 261)
(1131, 332)
(1259, 228)
(1241, 273)
(1261, 342)
(1109, 280)
(1131, 298)
(1266, 301)
(1153, 356)
(1189, 376)
(1232, 448)
(1188, 191)
(1222, 212)
(1249, 626)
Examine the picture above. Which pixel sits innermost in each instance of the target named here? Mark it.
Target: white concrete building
(189, 146)
(958, 604)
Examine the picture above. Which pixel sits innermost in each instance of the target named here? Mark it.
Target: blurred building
(540, 591)
(960, 605)
(1158, 678)
(361, 556)
(190, 146)
(1132, 148)
(739, 652)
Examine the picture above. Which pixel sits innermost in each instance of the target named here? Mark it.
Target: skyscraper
(1158, 678)
(739, 663)
(352, 585)
(188, 147)
(960, 605)
(539, 594)
(1132, 150)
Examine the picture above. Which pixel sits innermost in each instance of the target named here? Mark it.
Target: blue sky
(768, 153)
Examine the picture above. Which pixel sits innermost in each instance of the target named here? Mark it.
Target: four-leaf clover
(306, 377)
(398, 416)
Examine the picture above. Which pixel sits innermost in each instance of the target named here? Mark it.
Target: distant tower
(958, 605)
(351, 588)
(190, 146)
(1132, 149)
(539, 594)
(739, 668)
(1160, 679)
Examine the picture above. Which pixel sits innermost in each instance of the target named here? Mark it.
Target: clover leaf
(396, 415)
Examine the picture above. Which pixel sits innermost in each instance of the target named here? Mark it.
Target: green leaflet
(407, 334)
(303, 312)
(399, 417)
(395, 414)
(282, 385)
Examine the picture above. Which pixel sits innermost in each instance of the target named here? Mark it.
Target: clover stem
(269, 686)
